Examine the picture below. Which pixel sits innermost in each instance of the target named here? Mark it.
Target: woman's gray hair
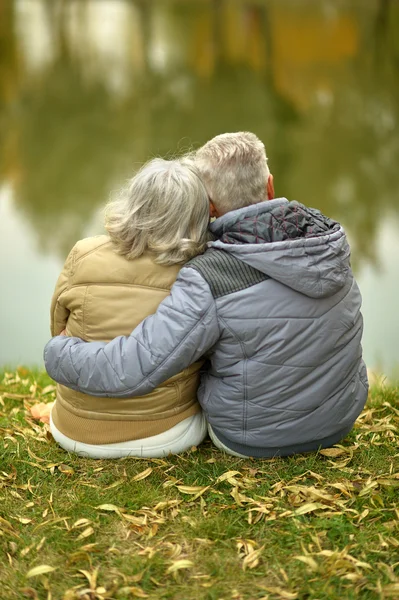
(163, 209)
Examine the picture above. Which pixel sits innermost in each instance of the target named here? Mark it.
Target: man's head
(234, 169)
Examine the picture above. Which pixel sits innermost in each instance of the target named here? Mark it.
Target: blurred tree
(304, 79)
(9, 75)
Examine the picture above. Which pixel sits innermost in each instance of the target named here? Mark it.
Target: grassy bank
(199, 526)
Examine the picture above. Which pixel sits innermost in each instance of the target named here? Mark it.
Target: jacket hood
(293, 244)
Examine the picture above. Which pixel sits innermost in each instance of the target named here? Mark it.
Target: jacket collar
(222, 224)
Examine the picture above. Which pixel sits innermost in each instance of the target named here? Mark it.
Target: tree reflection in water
(142, 78)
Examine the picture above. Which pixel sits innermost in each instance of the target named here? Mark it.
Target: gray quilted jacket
(274, 307)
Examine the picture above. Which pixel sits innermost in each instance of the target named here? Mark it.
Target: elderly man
(273, 306)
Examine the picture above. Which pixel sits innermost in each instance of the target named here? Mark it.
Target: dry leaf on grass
(332, 452)
(390, 591)
(228, 475)
(308, 560)
(180, 564)
(195, 490)
(247, 550)
(110, 508)
(80, 523)
(86, 533)
(66, 470)
(91, 577)
(142, 475)
(309, 507)
(252, 559)
(39, 570)
(41, 411)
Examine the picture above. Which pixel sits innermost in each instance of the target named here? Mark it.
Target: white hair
(163, 209)
(234, 169)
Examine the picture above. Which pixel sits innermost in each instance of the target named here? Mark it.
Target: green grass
(202, 525)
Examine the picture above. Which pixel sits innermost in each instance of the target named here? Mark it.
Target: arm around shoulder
(184, 327)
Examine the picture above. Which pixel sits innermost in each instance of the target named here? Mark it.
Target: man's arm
(183, 328)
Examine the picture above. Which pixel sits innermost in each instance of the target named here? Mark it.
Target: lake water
(90, 89)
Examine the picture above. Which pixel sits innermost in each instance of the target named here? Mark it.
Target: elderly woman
(109, 284)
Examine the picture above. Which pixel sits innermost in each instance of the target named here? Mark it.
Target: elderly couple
(248, 327)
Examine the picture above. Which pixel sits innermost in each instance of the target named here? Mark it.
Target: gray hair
(163, 209)
(234, 169)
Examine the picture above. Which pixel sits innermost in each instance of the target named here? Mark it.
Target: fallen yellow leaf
(227, 475)
(85, 533)
(80, 523)
(40, 570)
(367, 488)
(48, 389)
(391, 590)
(24, 520)
(308, 560)
(252, 559)
(180, 564)
(332, 452)
(309, 507)
(142, 475)
(65, 469)
(110, 508)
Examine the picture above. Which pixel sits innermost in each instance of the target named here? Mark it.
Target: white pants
(190, 432)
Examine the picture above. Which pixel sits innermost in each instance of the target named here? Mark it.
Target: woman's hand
(63, 332)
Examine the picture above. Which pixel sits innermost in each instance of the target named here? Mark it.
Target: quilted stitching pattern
(284, 222)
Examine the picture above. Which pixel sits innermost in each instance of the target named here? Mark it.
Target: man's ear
(270, 187)
(213, 211)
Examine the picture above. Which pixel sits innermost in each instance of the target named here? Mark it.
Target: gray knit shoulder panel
(224, 273)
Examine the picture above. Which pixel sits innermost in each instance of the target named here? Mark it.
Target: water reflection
(90, 89)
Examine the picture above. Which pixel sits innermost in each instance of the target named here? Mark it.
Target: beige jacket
(100, 295)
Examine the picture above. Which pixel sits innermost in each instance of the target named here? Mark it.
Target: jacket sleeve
(58, 312)
(183, 328)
